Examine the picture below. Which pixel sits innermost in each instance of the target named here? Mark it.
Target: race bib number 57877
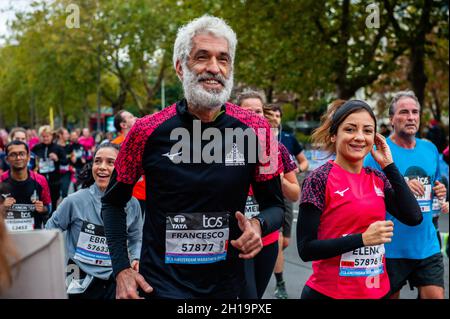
(196, 238)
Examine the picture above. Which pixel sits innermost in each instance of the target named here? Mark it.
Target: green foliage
(311, 50)
(304, 139)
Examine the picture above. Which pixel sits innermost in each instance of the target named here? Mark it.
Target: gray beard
(201, 99)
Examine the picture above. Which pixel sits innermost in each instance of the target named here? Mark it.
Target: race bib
(64, 168)
(425, 200)
(196, 238)
(46, 166)
(20, 218)
(362, 262)
(251, 207)
(92, 247)
(436, 207)
(78, 153)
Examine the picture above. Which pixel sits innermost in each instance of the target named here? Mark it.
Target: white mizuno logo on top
(342, 192)
(378, 191)
(171, 156)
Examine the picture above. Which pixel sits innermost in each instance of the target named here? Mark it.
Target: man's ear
(179, 70)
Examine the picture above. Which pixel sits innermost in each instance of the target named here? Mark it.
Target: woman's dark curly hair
(85, 178)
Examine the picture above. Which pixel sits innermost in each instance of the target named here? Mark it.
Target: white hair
(206, 24)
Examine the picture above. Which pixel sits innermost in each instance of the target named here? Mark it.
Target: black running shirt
(191, 205)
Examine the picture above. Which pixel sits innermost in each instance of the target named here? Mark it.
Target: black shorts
(417, 272)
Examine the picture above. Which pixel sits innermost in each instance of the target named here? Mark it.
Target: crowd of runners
(197, 200)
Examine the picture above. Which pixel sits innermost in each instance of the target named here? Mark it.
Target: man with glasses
(27, 197)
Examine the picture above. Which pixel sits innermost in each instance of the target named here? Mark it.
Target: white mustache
(209, 76)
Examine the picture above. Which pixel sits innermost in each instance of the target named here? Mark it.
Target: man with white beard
(195, 235)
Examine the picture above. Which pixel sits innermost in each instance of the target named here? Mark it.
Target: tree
(412, 21)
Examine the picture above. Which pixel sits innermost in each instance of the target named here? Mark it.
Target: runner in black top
(76, 151)
(195, 237)
(27, 198)
(50, 157)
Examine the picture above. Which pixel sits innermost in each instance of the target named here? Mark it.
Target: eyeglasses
(16, 155)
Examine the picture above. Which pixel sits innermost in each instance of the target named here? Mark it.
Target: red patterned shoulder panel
(269, 166)
(314, 186)
(288, 164)
(129, 161)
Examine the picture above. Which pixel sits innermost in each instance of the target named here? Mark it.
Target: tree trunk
(343, 92)
(152, 91)
(269, 94)
(437, 103)
(416, 74)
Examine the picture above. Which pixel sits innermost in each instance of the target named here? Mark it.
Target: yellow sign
(50, 115)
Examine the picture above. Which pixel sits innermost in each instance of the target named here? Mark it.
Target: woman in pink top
(88, 143)
(342, 224)
(259, 269)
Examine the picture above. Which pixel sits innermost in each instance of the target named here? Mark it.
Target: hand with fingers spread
(382, 154)
(379, 232)
(439, 190)
(416, 187)
(249, 243)
(128, 281)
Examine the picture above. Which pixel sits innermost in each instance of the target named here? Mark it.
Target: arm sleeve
(135, 231)
(309, 247)
(62, 216)
(266, 182)
(400, 201)
(45, 196)
(270, 199)
(115, 222)
(128, 169)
